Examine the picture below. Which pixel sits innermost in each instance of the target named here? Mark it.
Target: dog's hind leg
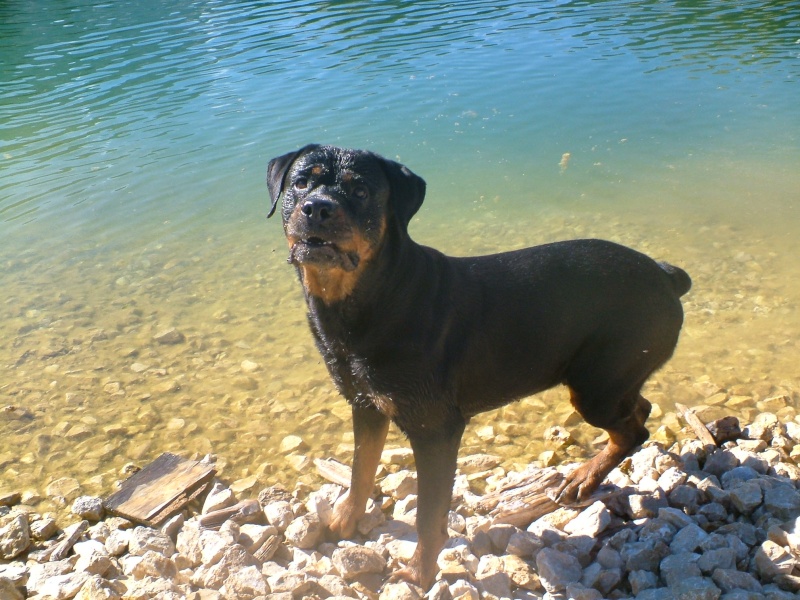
(624, 436)
(369, 431)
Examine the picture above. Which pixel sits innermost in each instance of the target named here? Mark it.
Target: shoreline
(690, 521)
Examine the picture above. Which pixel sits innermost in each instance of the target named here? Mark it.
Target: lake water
(134, 139)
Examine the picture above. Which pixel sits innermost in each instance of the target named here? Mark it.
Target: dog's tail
(681, 282)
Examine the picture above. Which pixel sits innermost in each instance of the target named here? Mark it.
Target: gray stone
(643, 556)
(576, 591)
(734, 477)
(746, 496)
(680, 566)
(783, 501)
(719, 462)
(557, 569)
(695, 588)
(524, 544)
(688, 539)
(655, 594)
(686, 497)
(721, 558)
(729, 580)
(642, 580)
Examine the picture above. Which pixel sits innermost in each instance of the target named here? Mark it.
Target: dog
(427, 341)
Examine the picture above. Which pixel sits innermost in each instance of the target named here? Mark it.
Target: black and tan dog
(426, 340)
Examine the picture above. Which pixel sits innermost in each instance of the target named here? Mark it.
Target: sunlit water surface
(134, 139)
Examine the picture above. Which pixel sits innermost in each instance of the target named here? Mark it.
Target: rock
(8, 591)
(353, 561)
(292, 443)
(142, 539)
(218, 498)
(576, 591)
(688, 539)
(169, 336)
(476, 463)
(679, 566)
(9, 498)
(155, 565)
(279, 514)
(15, 536)
(746, 496)
(62, 587)
(399, 485)
(783, 501)
(245, 584)
(400, 591)
(97, 588)
(772, 560)
(305, 531)
(88, 507)
(695, 588)
(65, 487)
(729, 580)
(591, 521)
(557, 569)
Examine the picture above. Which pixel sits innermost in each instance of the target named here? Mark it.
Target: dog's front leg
(435, 456)
(370, 427)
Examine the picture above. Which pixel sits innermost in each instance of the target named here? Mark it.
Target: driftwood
(699, 428)
(524, 501)
(71, 535)
(160, 490)
(246, 511)
(333, 471)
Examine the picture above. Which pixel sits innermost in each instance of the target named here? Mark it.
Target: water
(134, 139)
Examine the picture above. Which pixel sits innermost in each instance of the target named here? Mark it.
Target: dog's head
(337, 207)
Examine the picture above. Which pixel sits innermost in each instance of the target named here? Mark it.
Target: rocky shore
(690, 522)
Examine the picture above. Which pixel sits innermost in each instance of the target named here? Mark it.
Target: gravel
(689, 522)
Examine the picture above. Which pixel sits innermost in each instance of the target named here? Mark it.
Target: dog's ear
(407, 190)
(276, 173)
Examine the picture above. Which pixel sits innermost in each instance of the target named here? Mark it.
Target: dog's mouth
(322, 253)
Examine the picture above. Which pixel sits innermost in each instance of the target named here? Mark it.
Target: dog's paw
(344, 520)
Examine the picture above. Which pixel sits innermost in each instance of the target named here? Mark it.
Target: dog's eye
(361, 192)
(301, 183)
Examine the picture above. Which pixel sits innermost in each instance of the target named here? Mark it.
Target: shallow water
(134, 145)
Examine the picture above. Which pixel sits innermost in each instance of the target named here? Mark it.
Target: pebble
(169, 336)
(692, 525)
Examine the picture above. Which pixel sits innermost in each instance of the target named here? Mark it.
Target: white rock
(88, 507)
(62, 587)
(353, 561)
(279, 514)
(245, 584)
(592, 521)
(142, 539)
(305, 531)
(399, 485)
(15, 536)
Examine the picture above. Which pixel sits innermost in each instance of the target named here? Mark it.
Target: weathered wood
(699, 428)
(160, 490)
(267, 549)
(333, 471)
(519, 503)
(246, 511)
(71, 535)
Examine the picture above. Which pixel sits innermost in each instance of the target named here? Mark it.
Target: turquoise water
(134, 139)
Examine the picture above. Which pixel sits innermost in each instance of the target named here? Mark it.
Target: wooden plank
(160, 490)
(699, 428)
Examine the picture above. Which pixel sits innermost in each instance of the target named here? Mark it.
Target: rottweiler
(425, 340)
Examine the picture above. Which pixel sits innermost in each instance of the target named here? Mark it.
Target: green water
(134, 140)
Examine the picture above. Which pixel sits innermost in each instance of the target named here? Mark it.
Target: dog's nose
(318, 210)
